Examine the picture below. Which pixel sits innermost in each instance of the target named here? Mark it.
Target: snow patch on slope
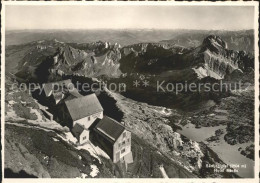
(164, 174)
(94, 171)
(94, 151)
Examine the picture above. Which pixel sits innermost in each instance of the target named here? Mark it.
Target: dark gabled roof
(71, 94)
(75, 93)
(83, 106)
(109, 128)
(68, 97)
(49, 87)
(77, 130)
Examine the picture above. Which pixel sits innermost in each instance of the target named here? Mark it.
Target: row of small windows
(123, 143)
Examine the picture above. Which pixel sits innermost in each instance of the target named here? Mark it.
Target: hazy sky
(111, 16)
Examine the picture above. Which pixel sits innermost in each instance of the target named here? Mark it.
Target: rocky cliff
(217, 60)
(236, 40)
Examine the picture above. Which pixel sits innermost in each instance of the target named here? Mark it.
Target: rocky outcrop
(217, 61)
(215, 66)
(214, 44)
(211, 59)
(89, 60)
(68, 56)
(147, 47)
(249, 152)
(236, 40)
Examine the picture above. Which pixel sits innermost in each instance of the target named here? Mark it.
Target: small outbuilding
(81, 134)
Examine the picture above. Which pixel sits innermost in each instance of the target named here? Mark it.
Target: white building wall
(127, 146)
(87, 121)
(127, 150)
(84, 137)
(118, 148)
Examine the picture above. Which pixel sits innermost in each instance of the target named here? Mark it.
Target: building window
(124, 134)
(84, 138)
(123, 143)
(55, 88)
(122, 151)
(128, 140)
(89, 118)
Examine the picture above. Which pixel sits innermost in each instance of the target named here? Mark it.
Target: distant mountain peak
(214, 43)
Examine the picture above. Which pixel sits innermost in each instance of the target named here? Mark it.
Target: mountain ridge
(128, 37)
